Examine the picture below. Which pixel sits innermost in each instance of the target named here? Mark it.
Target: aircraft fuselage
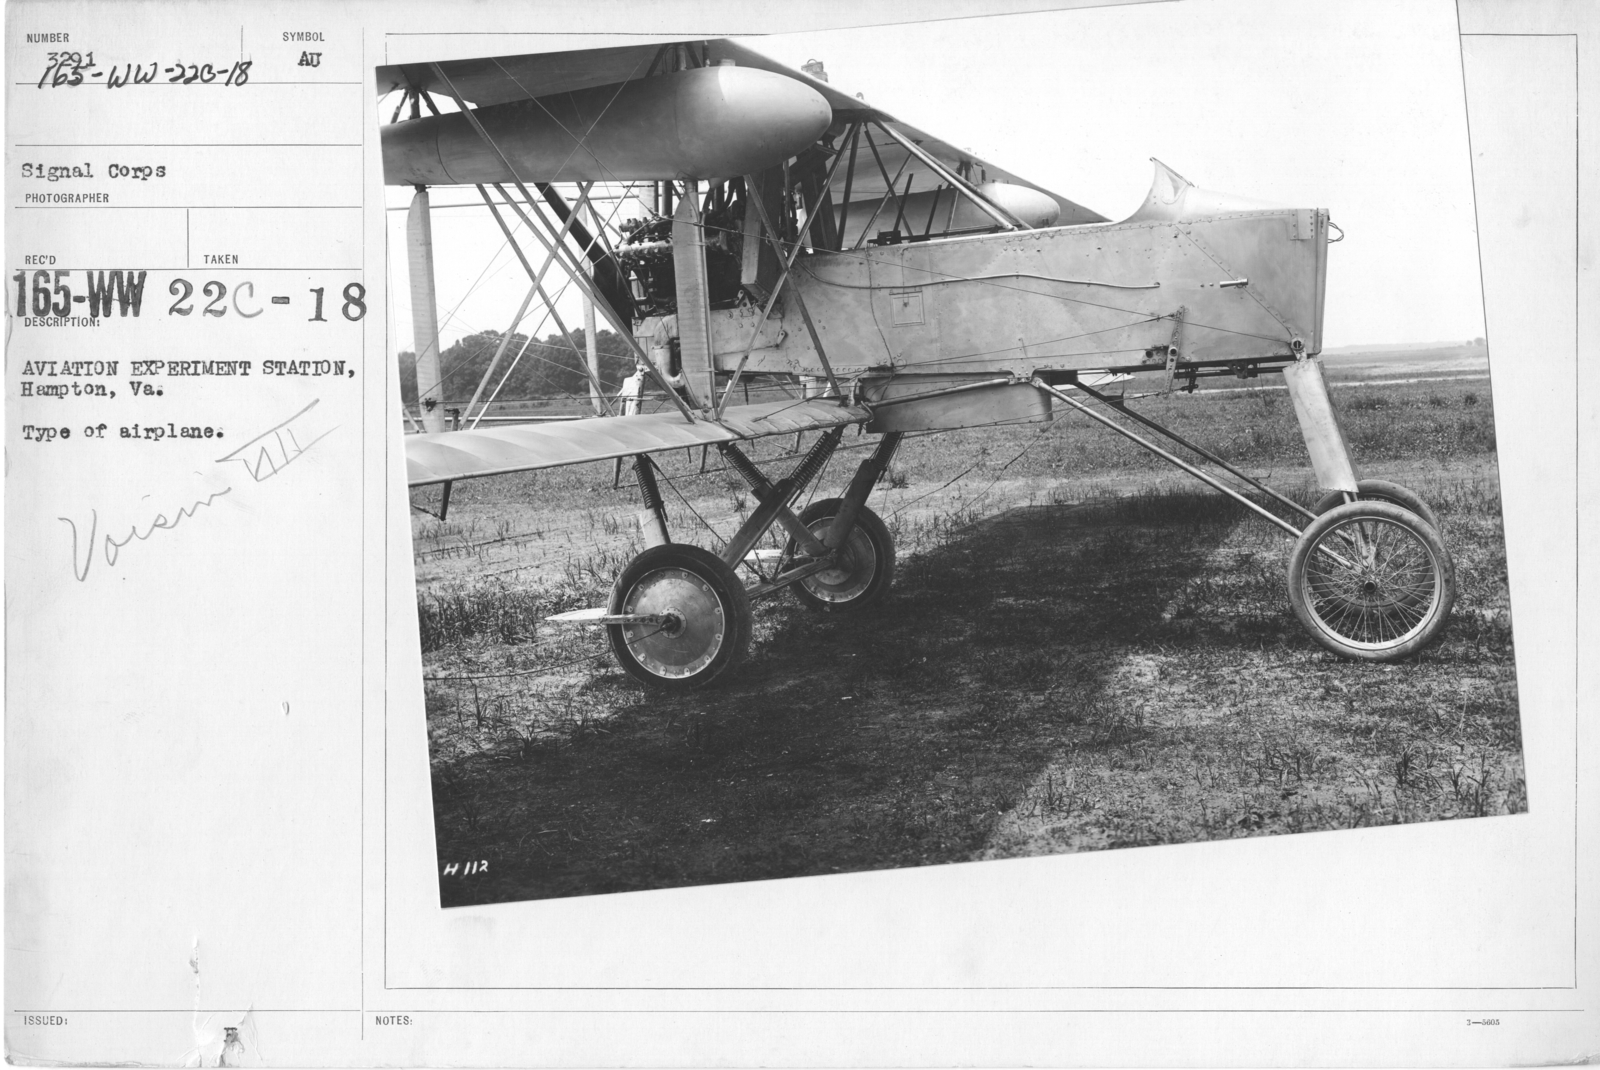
(1245, 285)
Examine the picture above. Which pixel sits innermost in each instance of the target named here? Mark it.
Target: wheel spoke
(1369, 580)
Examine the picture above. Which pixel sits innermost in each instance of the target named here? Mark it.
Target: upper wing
(868, 183)
(503, 79)
(450, 455)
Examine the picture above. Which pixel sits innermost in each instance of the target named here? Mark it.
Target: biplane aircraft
(800, 235)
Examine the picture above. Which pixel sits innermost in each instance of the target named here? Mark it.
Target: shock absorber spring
(743, 465)
(815, 458)
(644, 468)
(789, 485)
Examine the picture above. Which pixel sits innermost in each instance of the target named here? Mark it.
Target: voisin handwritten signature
(114, 545)
(263, 457)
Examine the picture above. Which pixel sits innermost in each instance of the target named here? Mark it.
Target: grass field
(1082, 650)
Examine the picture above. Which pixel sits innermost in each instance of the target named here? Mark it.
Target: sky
(1352, 105)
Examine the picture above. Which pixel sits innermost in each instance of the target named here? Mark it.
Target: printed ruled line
(189, 145)
(355, 268)
(208, 85)
(830, 1010)
(197, 207)
(201, 1010)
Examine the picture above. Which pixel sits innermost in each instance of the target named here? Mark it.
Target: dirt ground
(1061, 666)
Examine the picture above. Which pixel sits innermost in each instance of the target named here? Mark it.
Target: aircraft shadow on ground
(897, 736)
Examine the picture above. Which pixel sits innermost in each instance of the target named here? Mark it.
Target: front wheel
(699, 624)
(863, 569)
(1371, 581)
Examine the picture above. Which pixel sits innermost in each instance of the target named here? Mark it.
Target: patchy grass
(1080, 652)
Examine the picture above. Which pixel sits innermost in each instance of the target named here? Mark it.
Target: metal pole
(867, 475)
(849, 176)
(774, 498)
(1204, 477)
(583, 281)
(575, 271)
(699, 366)
(900, 213)
(889, 191)
(788, 264)
(653, 517)
(800, 301)
(424, 311)
(941, 392)
(526, 340)
(999, 215)
(538, 277)
(500, 351)
(1207, 454)
(590, 343)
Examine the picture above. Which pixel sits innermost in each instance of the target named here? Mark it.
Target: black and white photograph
(946, 442)
(696, 533)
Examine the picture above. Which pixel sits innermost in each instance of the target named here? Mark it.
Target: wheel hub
(850, 567)
(691, 633)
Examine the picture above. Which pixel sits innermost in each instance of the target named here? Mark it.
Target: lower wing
(450, 455)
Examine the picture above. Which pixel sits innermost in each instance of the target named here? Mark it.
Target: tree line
(548, 369)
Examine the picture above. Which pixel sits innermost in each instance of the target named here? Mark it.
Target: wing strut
(788, 262)
(578, 276)
(538, 287)
(999, 215)
(799, 301)
(596, 249)
(694, 302)
(576, 271)
(891, 187)
(500, 351)
(424, 311)
(849, 176)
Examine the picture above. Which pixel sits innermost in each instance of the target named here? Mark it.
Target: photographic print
(944, 442)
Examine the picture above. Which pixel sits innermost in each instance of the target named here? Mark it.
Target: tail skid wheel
(863, 569)
(1381, 490)
(1371, 581)
(705, 622)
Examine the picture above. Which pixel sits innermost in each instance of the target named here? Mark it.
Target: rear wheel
(1372, 581)
(701, 626)
(1381, 490)
(863, 569)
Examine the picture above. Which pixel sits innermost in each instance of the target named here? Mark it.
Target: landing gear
(863, 566)
(694, 617)
(679, 615)
(1381, 490)
(1371, 581)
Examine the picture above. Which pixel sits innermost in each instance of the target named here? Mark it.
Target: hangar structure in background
(800, 239)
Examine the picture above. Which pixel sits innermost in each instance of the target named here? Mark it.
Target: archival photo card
(1008, 533)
